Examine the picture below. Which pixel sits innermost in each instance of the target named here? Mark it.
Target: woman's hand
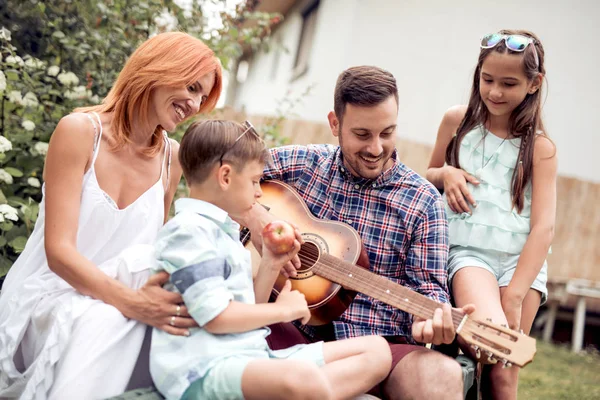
(160, 308)
(455, 188)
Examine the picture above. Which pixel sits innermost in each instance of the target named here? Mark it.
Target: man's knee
(425, 374)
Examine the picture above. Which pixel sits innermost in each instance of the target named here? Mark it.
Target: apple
(279, 236)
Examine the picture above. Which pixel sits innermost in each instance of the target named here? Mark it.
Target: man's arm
(427, 257)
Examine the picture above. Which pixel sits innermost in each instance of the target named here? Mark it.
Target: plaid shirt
(400, 217)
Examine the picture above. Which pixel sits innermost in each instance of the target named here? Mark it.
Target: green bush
(56, 55)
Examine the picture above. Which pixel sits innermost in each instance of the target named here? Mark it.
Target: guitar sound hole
(308, 254)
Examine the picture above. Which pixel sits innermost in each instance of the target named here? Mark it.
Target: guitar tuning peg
(505, 363)
(488, 319)
(521, 331)
(477, 351)
(504, 325)
(491, 357)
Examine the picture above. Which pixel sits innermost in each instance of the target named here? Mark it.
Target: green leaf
(2, 198)
(6, 225)
(18, 243)
(14, 172)
(11, 75)
(5, 265)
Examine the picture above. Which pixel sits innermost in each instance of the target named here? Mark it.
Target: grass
(557, 373)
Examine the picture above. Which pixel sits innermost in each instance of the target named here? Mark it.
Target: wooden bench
(561, 292)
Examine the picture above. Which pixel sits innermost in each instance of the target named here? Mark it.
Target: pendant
(478, 173)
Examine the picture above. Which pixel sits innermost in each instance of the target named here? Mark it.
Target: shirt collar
(209, 210)
(396, 170)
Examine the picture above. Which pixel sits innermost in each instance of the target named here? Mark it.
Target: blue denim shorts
(502, 265)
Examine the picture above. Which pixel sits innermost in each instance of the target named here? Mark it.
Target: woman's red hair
(172, 59)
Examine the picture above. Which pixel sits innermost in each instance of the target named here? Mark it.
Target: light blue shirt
(210, 267)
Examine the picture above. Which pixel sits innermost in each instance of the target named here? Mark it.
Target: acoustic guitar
(329, 278)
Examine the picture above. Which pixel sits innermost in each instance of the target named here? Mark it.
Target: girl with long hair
(73, 320)
(497, 168)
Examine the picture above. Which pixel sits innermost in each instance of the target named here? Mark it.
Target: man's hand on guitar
(293, 304)
(440, 328)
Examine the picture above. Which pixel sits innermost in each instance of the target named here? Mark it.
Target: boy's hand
(293, 304)
(283, 262)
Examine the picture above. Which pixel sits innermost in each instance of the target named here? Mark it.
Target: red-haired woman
(72, 323)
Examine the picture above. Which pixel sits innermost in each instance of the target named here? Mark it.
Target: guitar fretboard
(378, 287)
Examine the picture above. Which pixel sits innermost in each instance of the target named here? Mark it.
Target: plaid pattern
(400, 217)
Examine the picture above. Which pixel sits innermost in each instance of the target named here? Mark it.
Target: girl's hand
(157, 307)
(456, 190)
(293, 303)
(512, 307)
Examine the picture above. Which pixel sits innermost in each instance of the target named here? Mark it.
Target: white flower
(40, 148)
(14, 60)
(35, 182)
(166, 20)
(5, 145)
(5, 177)
(15, 97)
(68, 78)
(28, 125)
(78, 92)
(29, 100)
(9, 212)
(53, 70)
(34, 63)
(4, 34)
(95, 99)
(2, 81)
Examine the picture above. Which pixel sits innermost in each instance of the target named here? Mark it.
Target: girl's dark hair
(524, 122)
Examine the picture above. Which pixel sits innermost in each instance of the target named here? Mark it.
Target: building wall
(431, 46)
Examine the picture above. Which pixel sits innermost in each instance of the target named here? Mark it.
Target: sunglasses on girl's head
(513, 42)
(516, 43)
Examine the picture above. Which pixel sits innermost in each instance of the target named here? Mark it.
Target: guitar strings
(310, 256)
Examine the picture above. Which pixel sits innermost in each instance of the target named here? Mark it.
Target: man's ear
(334, 123)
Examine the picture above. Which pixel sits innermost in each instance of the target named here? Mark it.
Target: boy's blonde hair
(227, 142)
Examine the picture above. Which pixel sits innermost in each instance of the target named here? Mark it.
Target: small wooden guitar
(329, 279)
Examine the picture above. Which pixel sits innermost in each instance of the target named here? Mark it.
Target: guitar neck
(380, 288)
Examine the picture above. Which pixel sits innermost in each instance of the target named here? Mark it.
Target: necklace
(479, 171)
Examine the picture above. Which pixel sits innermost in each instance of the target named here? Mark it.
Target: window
(309, 24)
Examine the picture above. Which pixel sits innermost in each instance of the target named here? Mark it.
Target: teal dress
(494, 224)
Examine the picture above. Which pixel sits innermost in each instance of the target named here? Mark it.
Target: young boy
(227, 357)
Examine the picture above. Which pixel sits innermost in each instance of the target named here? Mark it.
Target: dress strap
(166, 163)
(97, 135)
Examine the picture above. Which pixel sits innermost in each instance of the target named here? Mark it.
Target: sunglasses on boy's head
(516, 43)
(248, 127)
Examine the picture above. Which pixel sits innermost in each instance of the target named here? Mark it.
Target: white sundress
(57, 343)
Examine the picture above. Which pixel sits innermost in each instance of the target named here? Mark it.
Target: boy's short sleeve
(197, 269)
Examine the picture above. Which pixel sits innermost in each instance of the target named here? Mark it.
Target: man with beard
(401, 220)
